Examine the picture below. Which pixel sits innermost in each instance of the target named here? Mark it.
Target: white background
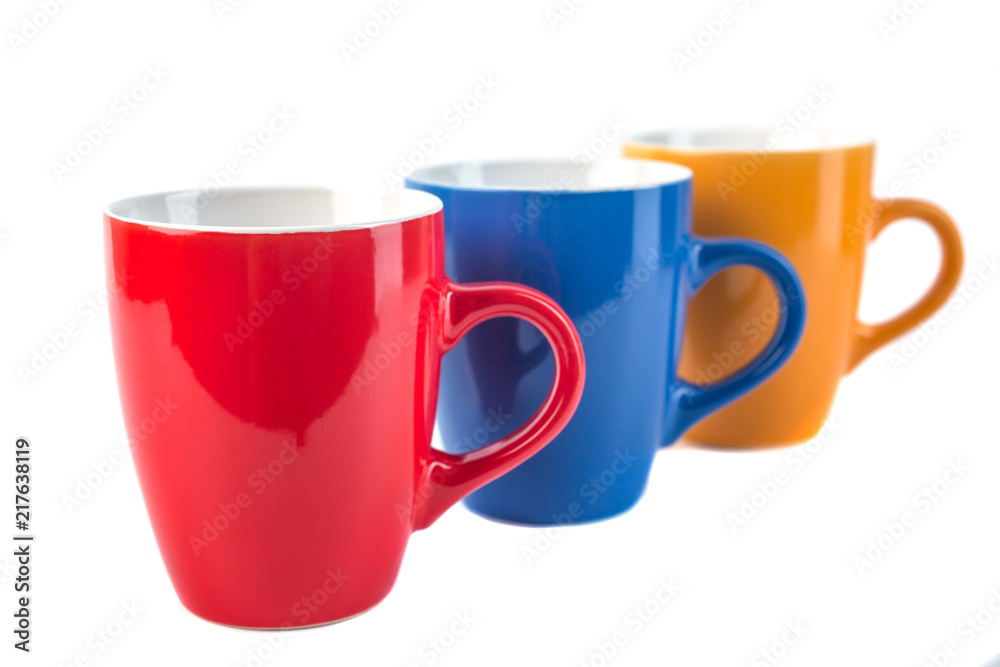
(899, 425)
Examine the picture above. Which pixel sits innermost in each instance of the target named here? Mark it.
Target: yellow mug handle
(870, 337)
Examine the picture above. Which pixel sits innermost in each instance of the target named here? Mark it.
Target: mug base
(512, 519)
(731, 446)
(719, 442)
(288, 628)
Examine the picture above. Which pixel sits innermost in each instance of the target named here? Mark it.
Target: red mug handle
(444, 479)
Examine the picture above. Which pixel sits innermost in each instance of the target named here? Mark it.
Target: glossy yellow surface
(815, 207)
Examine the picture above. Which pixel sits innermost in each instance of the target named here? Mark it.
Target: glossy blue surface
(623, 264)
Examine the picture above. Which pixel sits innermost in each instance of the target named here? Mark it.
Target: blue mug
(611, 242)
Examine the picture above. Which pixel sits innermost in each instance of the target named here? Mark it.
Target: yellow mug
(809, 197)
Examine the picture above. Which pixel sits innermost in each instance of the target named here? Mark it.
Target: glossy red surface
(280, 391)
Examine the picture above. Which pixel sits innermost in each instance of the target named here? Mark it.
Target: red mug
(278, 354)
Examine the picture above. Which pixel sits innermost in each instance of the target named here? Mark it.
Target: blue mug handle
(688, 403)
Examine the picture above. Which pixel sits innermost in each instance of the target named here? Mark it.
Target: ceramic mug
(610, 241)
(278, 354)
(809, 196)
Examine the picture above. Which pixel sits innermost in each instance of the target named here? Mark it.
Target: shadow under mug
(610, 242)
(809, 195)
(278, 354)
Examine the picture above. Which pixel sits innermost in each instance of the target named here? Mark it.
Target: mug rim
(824, 140)
(422, 204)
(659, 174)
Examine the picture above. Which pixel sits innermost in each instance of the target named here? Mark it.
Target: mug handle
(446, 478)
(688, 403)
(870, 337)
